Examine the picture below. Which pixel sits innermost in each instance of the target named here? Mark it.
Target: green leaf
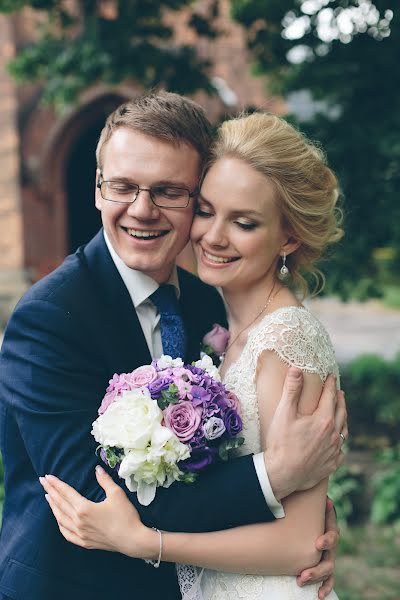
(188, 477)
(169, 396)
(112, 458)
(229, 445)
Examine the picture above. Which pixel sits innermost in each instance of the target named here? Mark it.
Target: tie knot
(164, 298)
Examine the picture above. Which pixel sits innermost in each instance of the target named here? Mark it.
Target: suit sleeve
(53, 378)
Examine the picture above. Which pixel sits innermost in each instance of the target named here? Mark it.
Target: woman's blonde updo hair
(307, 189)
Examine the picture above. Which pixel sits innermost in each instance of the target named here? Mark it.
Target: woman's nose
(216, 234)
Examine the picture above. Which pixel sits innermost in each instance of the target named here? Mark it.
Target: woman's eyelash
(246, 226)
(202, 213)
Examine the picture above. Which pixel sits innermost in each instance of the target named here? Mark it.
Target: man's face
(147, 238)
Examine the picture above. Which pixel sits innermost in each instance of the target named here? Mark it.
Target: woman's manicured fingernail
(47, 497)
(100, 470)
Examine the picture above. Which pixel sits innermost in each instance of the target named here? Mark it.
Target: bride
(265, 214)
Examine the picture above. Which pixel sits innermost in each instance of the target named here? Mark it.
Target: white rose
(204, 362)
(214, 428)
(129, 422)
(207, 364)
(167, 362)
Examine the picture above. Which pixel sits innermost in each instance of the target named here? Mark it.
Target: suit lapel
(123, 335)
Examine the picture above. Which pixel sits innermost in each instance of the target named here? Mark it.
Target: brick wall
(11, 237)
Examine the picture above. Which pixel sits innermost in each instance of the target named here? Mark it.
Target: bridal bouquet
(165, 422)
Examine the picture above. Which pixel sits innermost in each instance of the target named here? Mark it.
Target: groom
(96, 315)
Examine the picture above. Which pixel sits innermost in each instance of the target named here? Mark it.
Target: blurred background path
(359, 328)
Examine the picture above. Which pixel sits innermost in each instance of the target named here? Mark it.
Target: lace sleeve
(298, 338)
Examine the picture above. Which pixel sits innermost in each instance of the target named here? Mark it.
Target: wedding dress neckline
(289, 307)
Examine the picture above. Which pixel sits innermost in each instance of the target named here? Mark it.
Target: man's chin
(158, 270)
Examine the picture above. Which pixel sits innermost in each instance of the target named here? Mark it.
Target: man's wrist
(273, 503)
(280, 484)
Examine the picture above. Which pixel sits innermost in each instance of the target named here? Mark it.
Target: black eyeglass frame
(151, 193)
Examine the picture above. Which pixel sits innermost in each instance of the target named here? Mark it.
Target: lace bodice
(300, 340)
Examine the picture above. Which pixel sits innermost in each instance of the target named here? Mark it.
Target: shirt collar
(139, 285)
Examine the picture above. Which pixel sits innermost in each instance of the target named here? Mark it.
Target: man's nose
(143, 207)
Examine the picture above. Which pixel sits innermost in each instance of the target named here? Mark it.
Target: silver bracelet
(156, 563)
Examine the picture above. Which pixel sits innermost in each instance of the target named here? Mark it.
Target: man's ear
(98, 200)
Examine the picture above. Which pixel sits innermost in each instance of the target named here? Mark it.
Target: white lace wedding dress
(300, 340)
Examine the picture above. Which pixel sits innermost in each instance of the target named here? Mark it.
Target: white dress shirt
(140, 288)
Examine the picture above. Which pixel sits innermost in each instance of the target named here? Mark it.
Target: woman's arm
(285, 546)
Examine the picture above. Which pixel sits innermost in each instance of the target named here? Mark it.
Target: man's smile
(145, 234)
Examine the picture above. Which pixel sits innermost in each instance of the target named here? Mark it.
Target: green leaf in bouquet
(228, 445)
(112, 457)
(207, 349)
(169, 396)
(188, 477)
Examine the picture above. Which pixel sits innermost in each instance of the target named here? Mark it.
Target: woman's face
(237, 234)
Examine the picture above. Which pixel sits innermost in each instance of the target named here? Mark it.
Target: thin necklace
(270, 298)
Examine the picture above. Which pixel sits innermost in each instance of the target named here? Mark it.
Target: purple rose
(199, 459)
(217, 338)
(158, 386)
(183, 419)
(214, 428)
(142, 376)
(233, 422)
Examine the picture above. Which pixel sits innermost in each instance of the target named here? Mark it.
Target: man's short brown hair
(165, 116)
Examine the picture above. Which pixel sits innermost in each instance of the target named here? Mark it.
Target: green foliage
(168, 396)
(228, 445)
(345, 488)
(372, 387)
(74, 51)
(386, 485)
(113, 459)
(354, 75)
(188, 477)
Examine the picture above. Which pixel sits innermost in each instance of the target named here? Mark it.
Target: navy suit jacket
(66, 338)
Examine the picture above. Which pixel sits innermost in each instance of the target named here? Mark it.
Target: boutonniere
(214, 343)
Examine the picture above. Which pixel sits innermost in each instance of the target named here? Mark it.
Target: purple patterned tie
(172, 329)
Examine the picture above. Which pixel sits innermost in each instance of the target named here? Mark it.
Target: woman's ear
(290, 246)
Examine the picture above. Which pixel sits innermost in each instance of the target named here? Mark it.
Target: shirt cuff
(274, 505)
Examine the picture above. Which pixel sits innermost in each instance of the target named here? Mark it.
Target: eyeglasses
(163, 196)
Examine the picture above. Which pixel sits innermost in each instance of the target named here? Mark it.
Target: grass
(391, 298)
